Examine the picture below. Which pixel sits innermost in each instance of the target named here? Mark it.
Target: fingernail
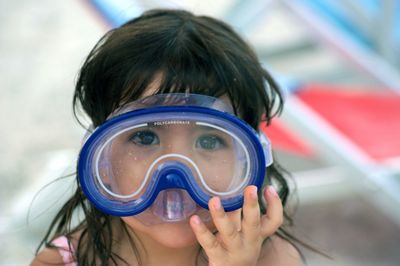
(196, 220)
(272, 191)
(217, 204)
(253, 194)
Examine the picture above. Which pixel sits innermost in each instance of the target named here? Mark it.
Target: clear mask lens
(128, 161)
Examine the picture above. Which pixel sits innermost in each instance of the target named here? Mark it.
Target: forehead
(153, 89)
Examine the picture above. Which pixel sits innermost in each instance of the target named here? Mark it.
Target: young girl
(176, 172)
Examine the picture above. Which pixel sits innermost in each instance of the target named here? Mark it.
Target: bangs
(175, 52)
(193, 69)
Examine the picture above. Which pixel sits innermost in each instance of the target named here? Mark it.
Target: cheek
(134, 224)
(218, 171)
(129, 168)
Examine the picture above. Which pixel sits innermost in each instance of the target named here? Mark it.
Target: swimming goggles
(166, 155)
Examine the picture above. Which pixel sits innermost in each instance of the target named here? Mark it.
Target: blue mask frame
(173, 175)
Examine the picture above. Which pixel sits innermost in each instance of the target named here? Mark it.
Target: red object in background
(285, 140)
(370, 119)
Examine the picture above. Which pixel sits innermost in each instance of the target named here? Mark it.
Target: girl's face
(134, 153)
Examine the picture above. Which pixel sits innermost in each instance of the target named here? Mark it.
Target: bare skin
(232, 245)
(237, 243)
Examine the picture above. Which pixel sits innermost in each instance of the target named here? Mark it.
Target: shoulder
(277, 251)
(48, 256)
(61, 253)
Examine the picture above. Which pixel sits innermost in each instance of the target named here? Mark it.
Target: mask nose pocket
(171, 174)
(177, 176)
(173, 205)
(173, 202)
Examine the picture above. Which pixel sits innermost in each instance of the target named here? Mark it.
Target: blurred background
(337, 61)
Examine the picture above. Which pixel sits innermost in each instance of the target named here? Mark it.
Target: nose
(172, 174)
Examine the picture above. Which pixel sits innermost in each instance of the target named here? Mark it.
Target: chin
(174, 235)
(171, 235)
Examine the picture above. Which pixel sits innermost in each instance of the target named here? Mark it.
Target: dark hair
(183, 53)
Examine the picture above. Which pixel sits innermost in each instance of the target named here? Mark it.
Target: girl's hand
(233, 246)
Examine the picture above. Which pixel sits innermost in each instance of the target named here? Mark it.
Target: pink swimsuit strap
(66, 250)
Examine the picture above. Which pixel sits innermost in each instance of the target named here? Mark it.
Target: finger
(236, 218)
(273, 219)
(206, 239)
(251, 214)
(227, 230)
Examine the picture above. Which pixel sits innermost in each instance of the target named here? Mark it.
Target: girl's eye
(210, 142)
(144, 138)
